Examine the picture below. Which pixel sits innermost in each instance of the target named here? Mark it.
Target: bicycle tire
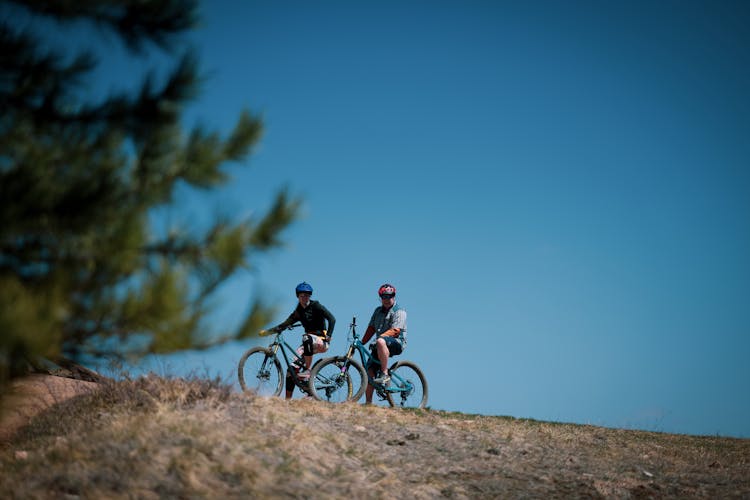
(329, 383)
(409, 371)
(259, 370)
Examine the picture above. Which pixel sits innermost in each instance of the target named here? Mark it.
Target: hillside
(157, 438)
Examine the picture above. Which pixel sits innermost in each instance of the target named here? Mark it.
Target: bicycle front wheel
(260, 371)
(337, 380)
(408, 387)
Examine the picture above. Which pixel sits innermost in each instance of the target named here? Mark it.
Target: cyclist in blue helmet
(317, 337)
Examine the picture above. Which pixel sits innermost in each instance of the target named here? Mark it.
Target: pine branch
(81, 269)
(137, 23)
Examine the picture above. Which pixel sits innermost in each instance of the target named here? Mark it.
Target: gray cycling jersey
(383, 320)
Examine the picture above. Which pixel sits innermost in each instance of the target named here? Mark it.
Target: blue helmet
(303, 287)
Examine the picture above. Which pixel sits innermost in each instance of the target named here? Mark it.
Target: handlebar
(352, 328)
(264, 333)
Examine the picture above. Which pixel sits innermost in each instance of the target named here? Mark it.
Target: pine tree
(82, 272)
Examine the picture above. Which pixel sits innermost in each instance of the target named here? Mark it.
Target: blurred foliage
(82, 271)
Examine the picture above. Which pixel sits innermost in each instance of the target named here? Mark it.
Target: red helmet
(387, 289)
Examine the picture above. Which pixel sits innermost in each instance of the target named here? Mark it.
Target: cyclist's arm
(368, 334)
(290, 320)
(391, 332)
(330, 318)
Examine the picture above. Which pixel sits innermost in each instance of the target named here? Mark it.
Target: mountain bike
(260, 370)
(342, 378)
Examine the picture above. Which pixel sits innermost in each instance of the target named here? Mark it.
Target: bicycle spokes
(331, 385)
(338, 379)
(260, 372)
(263, 372)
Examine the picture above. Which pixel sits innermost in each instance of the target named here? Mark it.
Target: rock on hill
(155, 438)
(29, 396)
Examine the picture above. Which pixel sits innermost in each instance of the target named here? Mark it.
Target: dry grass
(160, 438)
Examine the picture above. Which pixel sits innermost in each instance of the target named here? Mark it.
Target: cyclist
(313, 315)
(388, 323)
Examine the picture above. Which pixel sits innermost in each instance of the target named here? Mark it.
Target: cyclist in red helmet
(388, 324)
(317, 337)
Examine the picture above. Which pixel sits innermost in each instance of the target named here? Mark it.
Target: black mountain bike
(342, 378)
(260, 369)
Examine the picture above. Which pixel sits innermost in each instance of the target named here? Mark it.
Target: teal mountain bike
(343, 378)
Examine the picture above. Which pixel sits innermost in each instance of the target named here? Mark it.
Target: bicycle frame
(280, 344)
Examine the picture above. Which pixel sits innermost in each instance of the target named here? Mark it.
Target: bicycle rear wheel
(337, 380)
(410, 385)
(260, 371)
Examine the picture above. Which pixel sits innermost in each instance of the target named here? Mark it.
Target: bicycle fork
(348, 356)
(263, 373)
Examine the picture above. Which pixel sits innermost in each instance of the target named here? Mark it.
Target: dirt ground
(157, 437)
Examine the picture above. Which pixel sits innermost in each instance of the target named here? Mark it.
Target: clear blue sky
(560, 191)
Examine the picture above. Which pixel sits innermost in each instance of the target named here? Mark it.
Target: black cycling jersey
(313, 318)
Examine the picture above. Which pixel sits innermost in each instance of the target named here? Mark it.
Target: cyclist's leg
(372, 371)
(303, 363)
(383, 354)
(387, 346)
(289, 384)
(301, 351)
(370, 389)
(315, 345)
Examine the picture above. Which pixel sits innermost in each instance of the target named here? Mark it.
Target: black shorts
(394, 349)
